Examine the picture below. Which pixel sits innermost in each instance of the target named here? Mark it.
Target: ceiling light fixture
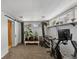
(20, 16)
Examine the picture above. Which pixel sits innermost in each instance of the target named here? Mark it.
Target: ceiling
(35, 10)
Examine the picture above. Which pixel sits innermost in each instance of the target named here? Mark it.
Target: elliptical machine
(63, 36)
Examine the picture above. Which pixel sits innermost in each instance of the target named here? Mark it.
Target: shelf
(72, 23)
(31, 41)
(25, 42)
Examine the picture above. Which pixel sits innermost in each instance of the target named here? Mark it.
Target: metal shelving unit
(72, 23)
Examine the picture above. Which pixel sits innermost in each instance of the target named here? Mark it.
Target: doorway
(9, 34)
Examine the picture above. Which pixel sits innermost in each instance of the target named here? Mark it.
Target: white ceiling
(33, 10)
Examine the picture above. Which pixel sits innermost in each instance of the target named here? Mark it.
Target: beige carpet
(28, 52)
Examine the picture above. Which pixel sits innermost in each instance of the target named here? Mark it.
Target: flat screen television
(64, 34)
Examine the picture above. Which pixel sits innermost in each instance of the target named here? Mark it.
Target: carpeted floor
(28, 52)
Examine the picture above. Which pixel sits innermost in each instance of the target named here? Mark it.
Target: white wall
(19, 41)
(4, 35)
(17, 33)
(38, 30)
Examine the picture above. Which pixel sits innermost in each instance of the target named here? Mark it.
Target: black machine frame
(63, 36)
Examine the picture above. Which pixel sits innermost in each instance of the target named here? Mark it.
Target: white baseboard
(4, 53)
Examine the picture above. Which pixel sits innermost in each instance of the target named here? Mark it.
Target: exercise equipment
(63, 36)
